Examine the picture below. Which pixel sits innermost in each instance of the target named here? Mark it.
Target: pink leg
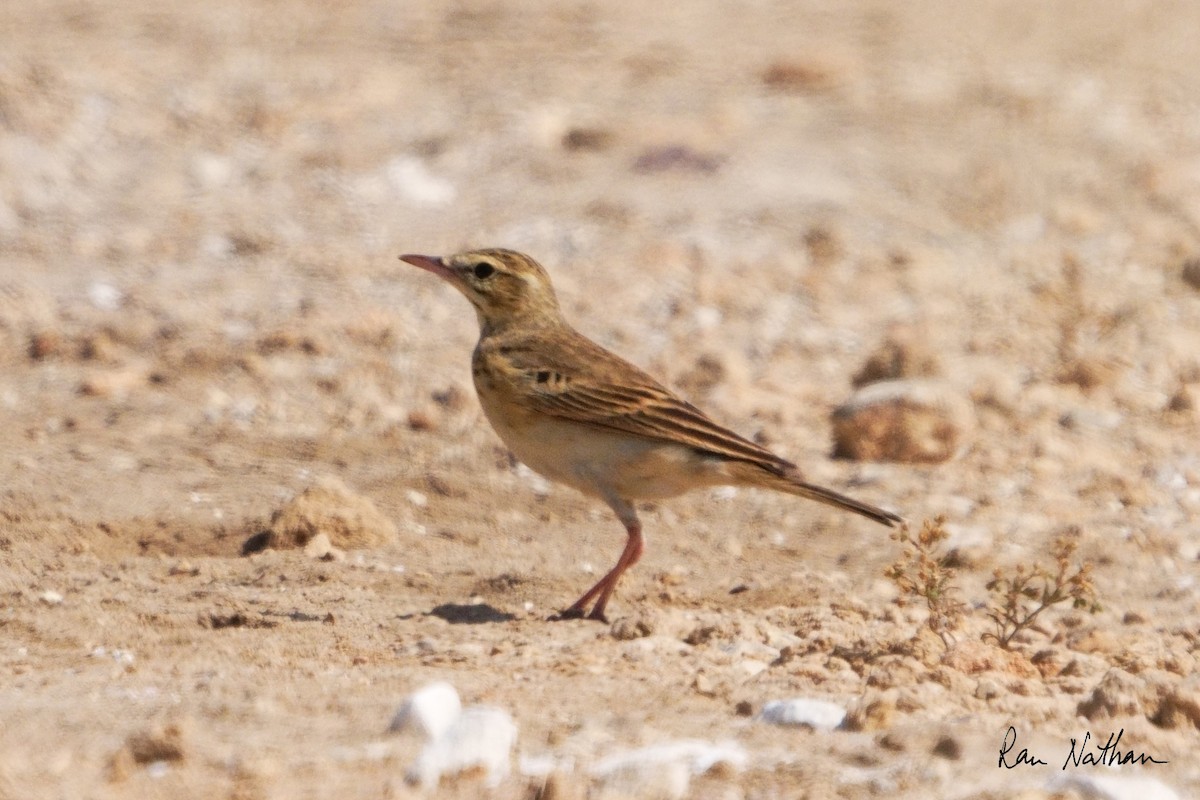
(604, 588)
(632, 553)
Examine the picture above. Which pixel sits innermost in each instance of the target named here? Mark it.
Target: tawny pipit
(582, 416)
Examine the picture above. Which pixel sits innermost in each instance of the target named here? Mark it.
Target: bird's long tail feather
(793, 483)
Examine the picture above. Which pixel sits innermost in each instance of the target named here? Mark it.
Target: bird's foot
(577, 613)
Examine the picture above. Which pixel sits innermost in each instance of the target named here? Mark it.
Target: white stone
(481, 737)
(543, 765)
(1113, 787)
(105, 296)
(699, 757)
(410, 177)
(319, 547)
(211, 171)
(752, 666)
(707, 317)
(669, 781)
(541, 487)
(664, 770)
(820, 715)
(430, 711)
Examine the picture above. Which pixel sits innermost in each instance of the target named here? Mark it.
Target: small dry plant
(922, 574)
(1082, 327)
(1017, 600)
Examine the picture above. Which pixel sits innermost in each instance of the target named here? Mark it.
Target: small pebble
(481, 738)
(413, 179)
(1191, 272)
(320, 548)
(105, 296)
(1112, 787)
(820, 715)
(907, 421)
(430, 711)
(1118, 694)
(948, 748)
(664, 770)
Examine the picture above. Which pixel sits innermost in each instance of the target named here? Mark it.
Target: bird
(582, 416)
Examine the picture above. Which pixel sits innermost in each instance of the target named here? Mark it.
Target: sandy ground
(202, 314)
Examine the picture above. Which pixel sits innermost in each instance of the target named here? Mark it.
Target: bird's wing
(573, 378)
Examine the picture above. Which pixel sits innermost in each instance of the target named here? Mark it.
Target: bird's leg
(604, 588)
(634, 545)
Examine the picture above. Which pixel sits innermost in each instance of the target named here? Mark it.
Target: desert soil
(202, 315)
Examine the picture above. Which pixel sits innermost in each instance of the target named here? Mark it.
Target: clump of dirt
(347, 520)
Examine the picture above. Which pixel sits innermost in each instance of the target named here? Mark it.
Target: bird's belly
(604, 463)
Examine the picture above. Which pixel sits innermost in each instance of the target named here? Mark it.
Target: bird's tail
(791, 482)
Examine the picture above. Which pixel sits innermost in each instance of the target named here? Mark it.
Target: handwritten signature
(1102, 755)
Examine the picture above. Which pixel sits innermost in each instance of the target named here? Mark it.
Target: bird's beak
(430, 264)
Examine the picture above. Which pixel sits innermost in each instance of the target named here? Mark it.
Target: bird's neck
(540, 319)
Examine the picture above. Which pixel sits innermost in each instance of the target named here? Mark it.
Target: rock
(410, 177)
(871, 715)
(1089, 372)
(1191, 272)
(561, 786)
(1185, 399)
(45, 344)
(824, 244)
(1112, 787)
(910, 421)
(704, 685)
(948, 747)
(974, 657)
(1049, 661)
(429, 711)
(159, 743)
(1118, 694)
(105, 296)
(481, 738)
(120, 766)
(811, 74)
(988, 689)
(582, 138)
(895, 670)
(320, 548)
(348, 520)
(1179, 706)
(668, 781)
(820, 715)
(117, 382)
(663, 770)
(676, 157)
(899, 356)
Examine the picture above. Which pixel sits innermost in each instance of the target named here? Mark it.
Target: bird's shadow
(474, 614)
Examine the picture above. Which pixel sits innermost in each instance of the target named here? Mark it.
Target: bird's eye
(483, 270)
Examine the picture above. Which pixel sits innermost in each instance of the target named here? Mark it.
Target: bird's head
(504, 286)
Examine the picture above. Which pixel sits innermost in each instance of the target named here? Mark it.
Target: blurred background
(771, 205)
(709, 185)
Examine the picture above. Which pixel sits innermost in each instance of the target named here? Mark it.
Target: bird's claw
(577, 613)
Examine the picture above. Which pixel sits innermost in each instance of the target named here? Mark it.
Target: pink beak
(430, 264)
